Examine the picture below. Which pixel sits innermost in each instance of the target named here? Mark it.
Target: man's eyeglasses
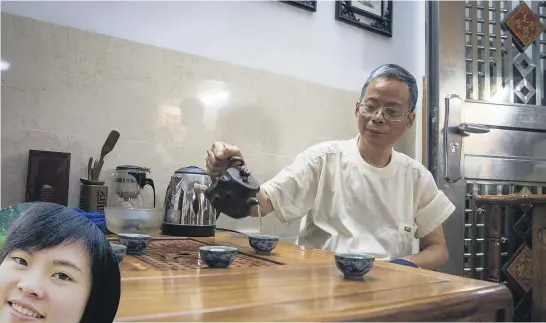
(390, 114)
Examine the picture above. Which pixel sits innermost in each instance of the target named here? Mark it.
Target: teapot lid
(191, 170)
(133, 168)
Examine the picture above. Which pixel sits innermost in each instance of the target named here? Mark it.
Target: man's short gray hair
(393, 71)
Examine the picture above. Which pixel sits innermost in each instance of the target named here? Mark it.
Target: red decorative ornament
(524, 25)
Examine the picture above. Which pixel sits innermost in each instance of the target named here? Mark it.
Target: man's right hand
(217, 161)
(217, 157)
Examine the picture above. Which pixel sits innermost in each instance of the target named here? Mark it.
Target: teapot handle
(150, 182)
(234, 159)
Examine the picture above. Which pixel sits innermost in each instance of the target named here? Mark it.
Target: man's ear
(411, 120)
(357, 107)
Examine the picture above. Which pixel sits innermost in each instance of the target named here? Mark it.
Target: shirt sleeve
(293, 191)
(433, 206)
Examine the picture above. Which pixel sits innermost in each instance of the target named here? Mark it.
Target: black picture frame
(302, 4)
(350, 14)
(353, 5)
(48, 177)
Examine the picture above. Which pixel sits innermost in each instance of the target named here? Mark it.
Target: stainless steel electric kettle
(188, 213)
(194, 200)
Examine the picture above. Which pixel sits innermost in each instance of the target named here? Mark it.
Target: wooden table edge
(401, 311)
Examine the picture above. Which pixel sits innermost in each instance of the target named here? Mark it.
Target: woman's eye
(20, 261)
(62, 276)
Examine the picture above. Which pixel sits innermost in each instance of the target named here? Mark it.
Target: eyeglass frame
(360, 104)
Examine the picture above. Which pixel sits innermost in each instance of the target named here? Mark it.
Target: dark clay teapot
(234, 192)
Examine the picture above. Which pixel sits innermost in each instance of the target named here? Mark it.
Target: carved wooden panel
(539, 262)
(494, 236)
(520, 268)
(516, 254)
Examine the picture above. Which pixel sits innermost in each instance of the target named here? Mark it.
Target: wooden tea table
(294, 284)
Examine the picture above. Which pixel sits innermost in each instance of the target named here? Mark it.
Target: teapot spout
(252, 202)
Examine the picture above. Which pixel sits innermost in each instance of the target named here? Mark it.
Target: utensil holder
(93, 198)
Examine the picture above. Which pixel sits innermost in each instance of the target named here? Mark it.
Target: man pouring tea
(360, 195)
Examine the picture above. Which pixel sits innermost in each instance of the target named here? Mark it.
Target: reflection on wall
(66, 89)
(177, 124)
(236, 126)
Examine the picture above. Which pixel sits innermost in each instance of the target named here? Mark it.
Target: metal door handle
(454, 131)
(465, 129)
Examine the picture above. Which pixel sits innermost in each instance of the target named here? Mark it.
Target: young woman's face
(50, 285)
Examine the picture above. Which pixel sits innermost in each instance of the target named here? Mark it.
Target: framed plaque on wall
(374, 16)
(48, 177)
(307, 5)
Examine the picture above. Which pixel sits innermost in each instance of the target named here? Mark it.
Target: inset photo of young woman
(57, 266)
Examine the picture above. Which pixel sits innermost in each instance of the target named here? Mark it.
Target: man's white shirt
(347, 205)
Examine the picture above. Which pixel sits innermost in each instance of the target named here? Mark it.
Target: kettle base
(180, 230)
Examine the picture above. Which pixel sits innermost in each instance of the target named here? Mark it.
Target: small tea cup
(218, 256)
(263, 244)
(134, 242)
(354, 265)
(120, 251)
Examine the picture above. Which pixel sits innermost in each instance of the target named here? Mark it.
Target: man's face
(384, 114)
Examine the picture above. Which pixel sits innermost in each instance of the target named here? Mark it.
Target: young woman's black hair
(46, 225)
